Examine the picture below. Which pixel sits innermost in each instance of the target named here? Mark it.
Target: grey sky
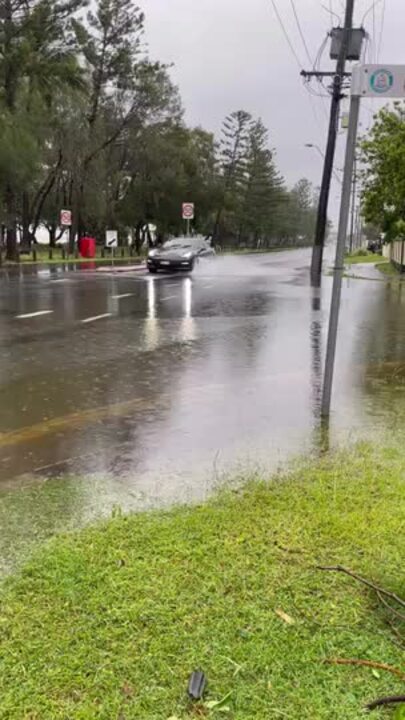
(231, 54)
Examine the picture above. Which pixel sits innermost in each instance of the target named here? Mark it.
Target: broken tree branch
(366, 663)
(364, 581)
(393, 700)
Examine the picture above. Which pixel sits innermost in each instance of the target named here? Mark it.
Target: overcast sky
(232, 54)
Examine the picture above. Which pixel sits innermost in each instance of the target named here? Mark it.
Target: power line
(374, 35)
(319, 55)
(371, 9)
(381, 31)
(297, 60)
(297, 20)
(330, 11)
(316, 66)
(312, 105)
(286, 35)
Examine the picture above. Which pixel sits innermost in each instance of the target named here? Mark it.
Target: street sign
(379, 81)
(111, 239)
(66, 218)
(188, 211)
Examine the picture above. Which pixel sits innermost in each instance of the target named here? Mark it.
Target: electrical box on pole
(356, 38)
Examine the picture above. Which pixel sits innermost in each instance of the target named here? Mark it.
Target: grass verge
(361, 259)
(389, 269)
(109, 622)
(43, 259)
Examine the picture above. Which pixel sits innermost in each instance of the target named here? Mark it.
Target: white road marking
(120, 297)
(34, 314)
(96, 317)
(207, 287)
(169, 297)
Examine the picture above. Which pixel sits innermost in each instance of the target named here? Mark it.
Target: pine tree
(234, 146)
(262, 186)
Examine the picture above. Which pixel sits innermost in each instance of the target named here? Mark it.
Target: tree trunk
(52, 235)
(26, 235)
(11, 242)
(9, 88)
(138, 237)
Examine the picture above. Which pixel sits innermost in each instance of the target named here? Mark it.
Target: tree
(383, 153)
(234, 147)
(127, 92)
(261, 187)
(89, 122)
(35, 55)
(167, 165)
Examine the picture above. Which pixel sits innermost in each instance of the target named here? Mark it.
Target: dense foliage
(89, 122)
(383, 152)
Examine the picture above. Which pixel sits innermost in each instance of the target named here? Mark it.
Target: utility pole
(322, 218)
(340, 253)
(354, 200)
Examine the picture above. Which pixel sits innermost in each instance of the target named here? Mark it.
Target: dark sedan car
(180, 254)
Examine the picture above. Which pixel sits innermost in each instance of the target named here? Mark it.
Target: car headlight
(188, 255)
(152, 253)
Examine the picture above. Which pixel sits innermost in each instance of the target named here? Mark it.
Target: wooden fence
(397, 254)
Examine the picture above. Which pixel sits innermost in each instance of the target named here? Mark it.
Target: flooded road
(131, 391)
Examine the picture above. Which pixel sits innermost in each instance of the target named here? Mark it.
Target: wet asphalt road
(131, 390)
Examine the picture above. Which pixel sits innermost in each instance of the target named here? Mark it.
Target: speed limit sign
(188, 211)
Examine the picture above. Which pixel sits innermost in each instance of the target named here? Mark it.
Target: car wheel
(153, 271)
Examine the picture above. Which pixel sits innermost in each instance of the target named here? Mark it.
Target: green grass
(389, 269)
(109, 622)
(43, 259)
(356, 259)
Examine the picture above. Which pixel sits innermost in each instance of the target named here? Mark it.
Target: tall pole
(359, 225)
(354, 198)
(340, 253)
(322, 217)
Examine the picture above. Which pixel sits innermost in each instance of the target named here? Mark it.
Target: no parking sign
(66, 218)
(188, 211)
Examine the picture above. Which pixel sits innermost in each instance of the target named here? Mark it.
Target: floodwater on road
(132, 391)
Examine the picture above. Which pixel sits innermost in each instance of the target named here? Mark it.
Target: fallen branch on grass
(366, 663)
(364, 581)
(390, 608)
(393, 700)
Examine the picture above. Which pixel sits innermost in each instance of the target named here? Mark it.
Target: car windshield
(176, 245)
